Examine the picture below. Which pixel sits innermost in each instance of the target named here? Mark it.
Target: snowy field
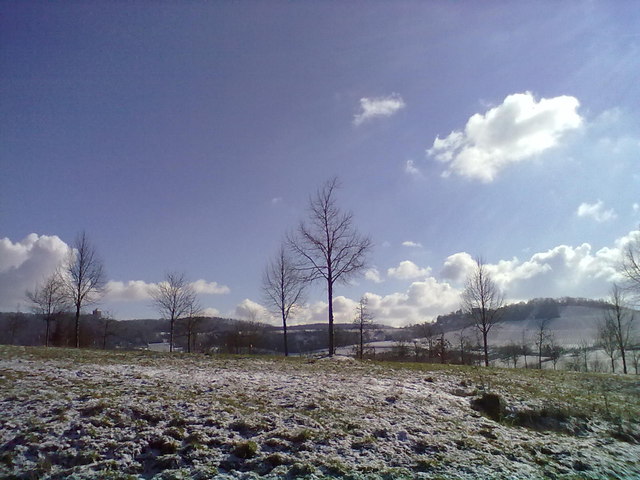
(143, 415)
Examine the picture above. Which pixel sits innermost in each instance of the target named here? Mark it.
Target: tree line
(326, 247)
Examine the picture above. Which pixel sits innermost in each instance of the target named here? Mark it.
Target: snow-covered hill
(111, 415)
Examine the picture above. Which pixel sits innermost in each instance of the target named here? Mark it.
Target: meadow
(91, 414)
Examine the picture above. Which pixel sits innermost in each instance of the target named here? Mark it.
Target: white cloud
(378, 107)
(209, 288)
(210, 312)
(250, 310)
(411, 169)
(131, 291)
(407, 270)
(518, 129)
(411, 244)
(139, 290)
(457, 267)
(26, 263)
(596, 211)
(636, 207)
(560, 271)
(373, 275)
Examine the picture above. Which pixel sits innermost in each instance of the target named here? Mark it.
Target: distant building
(97, 314)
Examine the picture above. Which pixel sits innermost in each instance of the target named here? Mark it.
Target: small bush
(246, 449)
(490, 404)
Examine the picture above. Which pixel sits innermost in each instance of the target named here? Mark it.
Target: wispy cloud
(378, 107)
(518, 129)
(411, 244)
(411, 169)
(596, 211)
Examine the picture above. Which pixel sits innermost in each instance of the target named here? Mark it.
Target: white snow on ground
(96, 415)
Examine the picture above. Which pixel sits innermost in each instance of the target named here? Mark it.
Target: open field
(86, 414)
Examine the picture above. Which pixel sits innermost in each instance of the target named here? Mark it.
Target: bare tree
(630, 265)
(554, 350)
(483, 301)
(363, 320)
(328, 246)
(283, 289)
(463, 343)
(620, 322)
(84, 277)
(49, 300)
(524, 346)
(541, 338)
(512, 352)
(191, 321)
(174, 298)
(106, 319)
(606, 339)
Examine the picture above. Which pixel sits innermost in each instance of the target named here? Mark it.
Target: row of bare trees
(325, 247)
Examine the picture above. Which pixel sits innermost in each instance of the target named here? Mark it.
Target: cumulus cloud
(209, 288)
(596, 211)
(131, 291)
(378, 107)
(518, 129)
(407, 270)
(564, 270)
(210, 312)
(139, 290)
(26, 263)
(411, 244)
(253, 311)
(422, 301)
(373, 275)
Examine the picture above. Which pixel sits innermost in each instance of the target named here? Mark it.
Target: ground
(83, 414)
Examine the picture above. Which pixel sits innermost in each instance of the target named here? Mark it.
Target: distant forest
(203, 334)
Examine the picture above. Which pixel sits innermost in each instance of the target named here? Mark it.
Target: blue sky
(189, 136)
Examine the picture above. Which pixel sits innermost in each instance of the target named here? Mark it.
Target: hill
(87, 414)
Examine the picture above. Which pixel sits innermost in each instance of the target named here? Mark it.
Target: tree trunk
(171, 335)
(284, 330)
(486, 348)
(77, 342)
(624, 359)
(613, 365)
(46, 338)
(331, 336)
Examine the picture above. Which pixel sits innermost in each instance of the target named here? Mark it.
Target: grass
(187, 407)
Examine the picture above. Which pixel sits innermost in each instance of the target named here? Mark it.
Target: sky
(189, 137)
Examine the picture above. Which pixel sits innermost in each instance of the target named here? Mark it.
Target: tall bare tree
(49, 300)
(328, 246)
(618, 322)
(630, 265)
(482, 300)
(363, 319)
(84, 277)
(174, 298)
(283, 289)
